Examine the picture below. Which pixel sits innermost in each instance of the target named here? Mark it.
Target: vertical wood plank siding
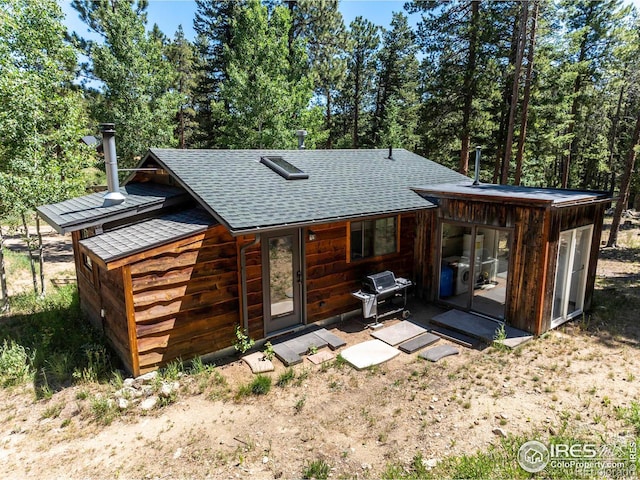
(186, 299)
(330, 279)
(533, 254)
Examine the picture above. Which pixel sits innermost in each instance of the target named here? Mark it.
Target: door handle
(299, 276)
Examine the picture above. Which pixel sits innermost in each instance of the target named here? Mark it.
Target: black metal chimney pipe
(476, 179)
(301, 134)
(113, 195)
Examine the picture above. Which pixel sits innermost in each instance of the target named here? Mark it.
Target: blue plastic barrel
(446, 281)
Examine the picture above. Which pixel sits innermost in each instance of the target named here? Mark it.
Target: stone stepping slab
(436, 353)
(418, 342)
(456, 337)
(369, 353)
(258, 363)
(321, 357)
(398, 333)
(286, 355)
(332, 340)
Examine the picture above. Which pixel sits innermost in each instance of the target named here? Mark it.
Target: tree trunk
(577, 86)
(469, 88)
(527, 94)
(506, 162)
(34, 274)
(329, 120)
(356, 107)
(625, 184)
(40, 257)
(614, 130)
(4, 291)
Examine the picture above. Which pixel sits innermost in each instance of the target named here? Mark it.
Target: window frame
(373, 256)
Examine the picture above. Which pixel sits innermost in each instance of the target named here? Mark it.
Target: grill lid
(379, 282)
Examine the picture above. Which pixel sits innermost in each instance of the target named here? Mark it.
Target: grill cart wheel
(406, 314)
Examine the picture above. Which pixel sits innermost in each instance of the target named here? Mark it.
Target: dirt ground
(358, 422)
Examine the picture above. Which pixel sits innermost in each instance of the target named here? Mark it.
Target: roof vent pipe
(390, 157)
(301, 134)
(476, 179)
(113, 195)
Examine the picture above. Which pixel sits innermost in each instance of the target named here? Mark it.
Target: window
(284, 168)
(373, 238)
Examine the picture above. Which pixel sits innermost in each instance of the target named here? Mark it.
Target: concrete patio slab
(258, 363)
(480, 327)
(418, 342)
(436, 353)
(302, 343)
(456, 337)
(368, 354)
(398, 333)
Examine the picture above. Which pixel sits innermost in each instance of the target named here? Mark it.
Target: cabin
(202, 241)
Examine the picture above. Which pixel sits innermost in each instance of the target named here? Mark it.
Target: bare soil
(356, 421)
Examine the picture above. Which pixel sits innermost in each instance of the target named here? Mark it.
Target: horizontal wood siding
(330, 279)
(114, 322)
(185, 298)
(253, 256)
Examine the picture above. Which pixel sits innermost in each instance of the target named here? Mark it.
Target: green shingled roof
(138, 237)
(245, 194)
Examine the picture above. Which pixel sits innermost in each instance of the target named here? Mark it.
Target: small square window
(373, 238)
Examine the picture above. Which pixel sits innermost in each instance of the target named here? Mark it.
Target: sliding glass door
(574, 249)
(474, 268)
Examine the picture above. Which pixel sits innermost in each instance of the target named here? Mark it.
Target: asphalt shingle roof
(90, 210)
(245, 194)
(132, 239)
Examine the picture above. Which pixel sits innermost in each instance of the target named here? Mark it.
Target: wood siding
(253, 256)
(185, 298)
(101, 291)
(330, 279)
(535, 232)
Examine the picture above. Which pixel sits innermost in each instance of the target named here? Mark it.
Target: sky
(168, 14)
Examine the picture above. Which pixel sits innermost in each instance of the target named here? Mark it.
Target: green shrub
(286, 377)
(318, 469)
(15, 364)
(261, 385)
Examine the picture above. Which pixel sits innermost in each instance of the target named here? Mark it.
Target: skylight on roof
(284, 168)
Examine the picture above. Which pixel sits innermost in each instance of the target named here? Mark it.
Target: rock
(125, 392)
(434, 399)
(499, 432)
(128, 382)
(145, 391)
(178, 453)
(123, 403)
(149, 403)
(552, 431)
(265, 459)
(431, 407)
(166, 390)
(503, 416)
(147, 378)
(430, 463)
(366, 466)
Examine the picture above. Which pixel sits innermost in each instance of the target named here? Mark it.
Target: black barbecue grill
(378, 293)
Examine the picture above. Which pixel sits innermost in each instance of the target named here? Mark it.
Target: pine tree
(180, 53)
(396, 112)
(261, 106)
(136, 92)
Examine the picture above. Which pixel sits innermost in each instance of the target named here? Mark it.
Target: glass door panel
(574, 250)
(282, 281)
(456, 270)
(491, 271)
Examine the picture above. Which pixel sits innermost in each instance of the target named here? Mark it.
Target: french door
(282, 280)
(574, 250)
